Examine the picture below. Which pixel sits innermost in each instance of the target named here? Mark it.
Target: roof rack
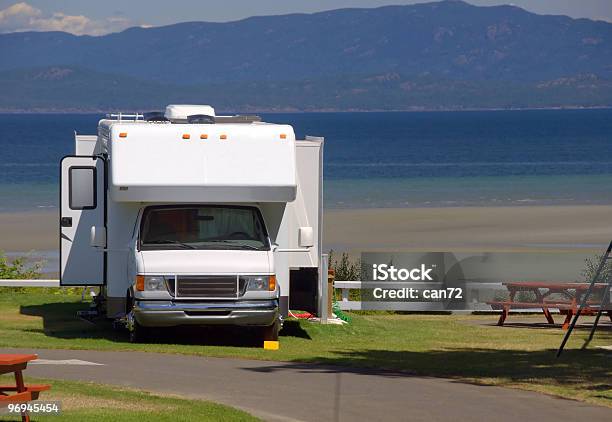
(124, 116)
(156, 117)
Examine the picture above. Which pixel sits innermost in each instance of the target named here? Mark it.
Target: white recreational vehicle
(190, 218)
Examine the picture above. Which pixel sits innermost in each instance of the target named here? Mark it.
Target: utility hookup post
(331, 277)
(323, 289)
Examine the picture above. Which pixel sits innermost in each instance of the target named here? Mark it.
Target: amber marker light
(224, 136)
(272, 283)
(203, 136)
(186, 136)
(140, 283)
(123, 135)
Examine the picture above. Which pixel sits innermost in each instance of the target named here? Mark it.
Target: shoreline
(298, 111)
(585, 228)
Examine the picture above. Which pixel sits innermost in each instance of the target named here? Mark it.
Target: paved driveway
(292, 391)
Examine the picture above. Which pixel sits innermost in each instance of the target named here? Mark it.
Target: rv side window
(82, 188)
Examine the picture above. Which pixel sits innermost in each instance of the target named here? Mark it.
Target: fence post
(323, 289)
(331, 277)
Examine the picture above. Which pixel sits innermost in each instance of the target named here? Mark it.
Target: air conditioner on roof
(178, 113)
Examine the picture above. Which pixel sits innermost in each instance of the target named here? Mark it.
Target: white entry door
(82, 206)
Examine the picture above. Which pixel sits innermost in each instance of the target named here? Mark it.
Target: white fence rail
(29, 283)
(356, 305)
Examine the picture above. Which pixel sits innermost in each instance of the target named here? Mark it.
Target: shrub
(345, 269)
(19, 268)
(590, 268)
(23, 268)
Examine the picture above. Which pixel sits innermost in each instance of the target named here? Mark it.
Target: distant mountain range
(444, 55)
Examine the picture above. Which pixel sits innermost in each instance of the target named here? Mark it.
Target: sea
(380, 159)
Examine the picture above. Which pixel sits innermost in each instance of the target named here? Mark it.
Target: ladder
(605, 296)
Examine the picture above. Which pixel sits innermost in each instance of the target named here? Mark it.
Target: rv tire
(138, 333)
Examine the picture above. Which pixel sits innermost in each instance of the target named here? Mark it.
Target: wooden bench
(20, 392)
(32, 391)
(542, 292)
(506, 306)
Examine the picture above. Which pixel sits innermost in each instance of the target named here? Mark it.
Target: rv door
(82, 207)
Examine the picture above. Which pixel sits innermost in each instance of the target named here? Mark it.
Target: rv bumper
(169, 314)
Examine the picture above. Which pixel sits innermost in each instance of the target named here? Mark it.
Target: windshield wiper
(229, 242)
(174, 242)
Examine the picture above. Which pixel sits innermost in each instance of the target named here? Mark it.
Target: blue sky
(98, 17)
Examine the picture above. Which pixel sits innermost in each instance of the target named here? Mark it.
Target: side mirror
(306, 237)
(97, 237)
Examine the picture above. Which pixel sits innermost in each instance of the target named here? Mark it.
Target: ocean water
(398, 159)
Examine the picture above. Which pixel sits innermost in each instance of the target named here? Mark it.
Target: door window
(82, 188)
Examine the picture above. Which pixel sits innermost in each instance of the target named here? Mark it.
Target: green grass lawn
(458, 347)
(93, 402)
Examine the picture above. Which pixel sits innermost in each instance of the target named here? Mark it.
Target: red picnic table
(20, 392)
(572, 294)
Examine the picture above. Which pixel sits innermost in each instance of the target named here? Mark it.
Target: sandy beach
(29, 231)
(478, 229)
(544, 228)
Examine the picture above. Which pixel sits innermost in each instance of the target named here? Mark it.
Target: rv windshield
(203, 227)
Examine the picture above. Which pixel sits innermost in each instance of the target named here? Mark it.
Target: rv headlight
(260, 283)
(154, 283)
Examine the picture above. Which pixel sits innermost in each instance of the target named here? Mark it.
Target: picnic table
(572, 294)
(20, 392)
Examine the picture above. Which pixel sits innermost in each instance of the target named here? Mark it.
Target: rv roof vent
(200, 119)
(179, 113)
(155, 116)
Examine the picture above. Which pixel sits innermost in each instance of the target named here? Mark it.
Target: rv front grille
(206, 286)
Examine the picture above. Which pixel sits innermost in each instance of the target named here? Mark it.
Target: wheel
(138, 333)
(270, 333)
